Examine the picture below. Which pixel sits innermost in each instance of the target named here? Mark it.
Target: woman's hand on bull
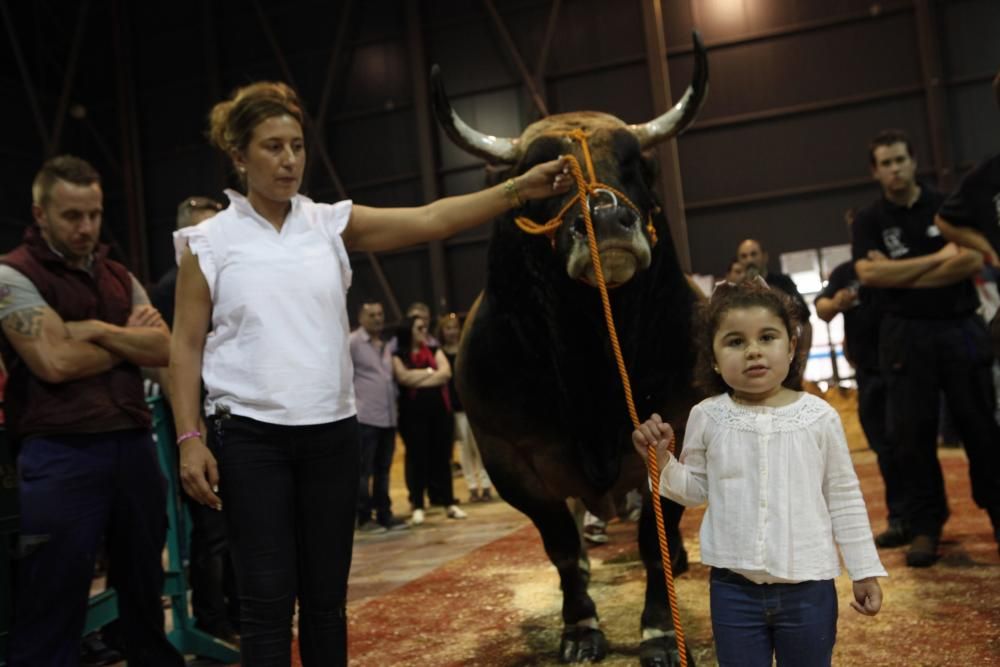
(200, 473)
(545, 179)
(654, 431)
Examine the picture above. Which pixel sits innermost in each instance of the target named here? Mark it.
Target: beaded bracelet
(187, 436)
(513, 196)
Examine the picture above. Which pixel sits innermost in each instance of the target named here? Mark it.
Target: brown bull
(536, 372)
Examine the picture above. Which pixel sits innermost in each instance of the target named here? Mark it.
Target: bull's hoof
(662, 652)
(582, 644)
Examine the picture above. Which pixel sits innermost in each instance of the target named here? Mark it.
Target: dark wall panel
(593, 33)
(622, 91)
(457, 46)
(406, 270)
(373, 147)
(793, 152)
(378, 78)
(975, 122)
(804, 68)
(794, 223)
(970, 36)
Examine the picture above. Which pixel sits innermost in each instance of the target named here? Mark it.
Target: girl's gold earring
(715, 368)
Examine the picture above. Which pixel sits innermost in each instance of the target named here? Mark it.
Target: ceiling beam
(666, 152)
(22, 66)
(534, 90)
(69, 77)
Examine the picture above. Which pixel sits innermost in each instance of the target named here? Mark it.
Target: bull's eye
(579, 227)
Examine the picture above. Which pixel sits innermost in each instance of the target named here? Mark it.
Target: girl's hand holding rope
(654, 431)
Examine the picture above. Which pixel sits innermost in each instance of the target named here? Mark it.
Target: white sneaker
(454, 512)
(417, 518)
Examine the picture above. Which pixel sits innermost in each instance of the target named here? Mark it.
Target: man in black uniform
(971, 215)
(862, 309)
(930, 341)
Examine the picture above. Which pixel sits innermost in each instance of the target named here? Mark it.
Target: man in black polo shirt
(971, 215)
(862, 309)
(930, 341)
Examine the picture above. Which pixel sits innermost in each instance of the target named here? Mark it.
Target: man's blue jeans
(377, 447)
(796, 623)
(75, 492)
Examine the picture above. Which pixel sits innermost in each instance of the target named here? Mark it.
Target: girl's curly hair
(746, 294)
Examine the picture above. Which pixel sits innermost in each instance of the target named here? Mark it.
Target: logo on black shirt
(893, 239)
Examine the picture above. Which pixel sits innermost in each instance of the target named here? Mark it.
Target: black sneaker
(896, 535)
(95, 653)
(371, 527)
(394, 523)
(923, 551)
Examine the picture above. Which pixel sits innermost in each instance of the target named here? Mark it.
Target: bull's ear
(650, 167)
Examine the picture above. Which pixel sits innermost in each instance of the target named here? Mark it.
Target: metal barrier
(103, 607)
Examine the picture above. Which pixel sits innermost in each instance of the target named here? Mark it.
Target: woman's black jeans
(289, 495)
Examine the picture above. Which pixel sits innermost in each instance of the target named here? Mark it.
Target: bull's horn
(490, 148)
(682, 114)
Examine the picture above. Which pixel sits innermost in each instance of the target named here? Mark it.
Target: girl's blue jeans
(795, 623)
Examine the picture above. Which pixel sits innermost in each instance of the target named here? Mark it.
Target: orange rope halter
(584, 190)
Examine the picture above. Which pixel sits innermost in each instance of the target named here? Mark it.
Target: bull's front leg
(518, 484)
(659, 641)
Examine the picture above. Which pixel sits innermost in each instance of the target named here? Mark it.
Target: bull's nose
(627, 217)
(621, 216)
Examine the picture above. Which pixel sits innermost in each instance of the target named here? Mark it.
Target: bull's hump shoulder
(559, 124)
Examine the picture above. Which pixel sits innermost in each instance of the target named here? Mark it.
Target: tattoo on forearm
(26, 322)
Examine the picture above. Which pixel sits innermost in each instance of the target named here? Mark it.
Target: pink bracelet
(187, 436)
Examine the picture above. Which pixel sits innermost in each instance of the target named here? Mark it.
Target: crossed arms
(57, 351)
(947, 266)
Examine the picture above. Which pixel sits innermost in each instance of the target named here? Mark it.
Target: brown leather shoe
(923, 551)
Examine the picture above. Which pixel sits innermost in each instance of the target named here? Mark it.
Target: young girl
(773, 465)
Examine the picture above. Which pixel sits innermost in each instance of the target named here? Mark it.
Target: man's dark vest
(110, 401)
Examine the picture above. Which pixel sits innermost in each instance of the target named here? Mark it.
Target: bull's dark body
(538, 378)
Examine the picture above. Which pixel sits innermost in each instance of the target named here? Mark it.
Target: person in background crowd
(214, 600)
(862, 310)
(449, 331)
(425, 419)
(736, 271)
(970, 217)
(77, 327)
(375, 389)
(930, 340)
(423, 311)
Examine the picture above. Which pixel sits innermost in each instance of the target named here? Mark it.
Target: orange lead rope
(529, 226)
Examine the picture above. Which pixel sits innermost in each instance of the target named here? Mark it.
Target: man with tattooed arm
(76, 326)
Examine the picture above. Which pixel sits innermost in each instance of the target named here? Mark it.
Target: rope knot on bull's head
(589, 194)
